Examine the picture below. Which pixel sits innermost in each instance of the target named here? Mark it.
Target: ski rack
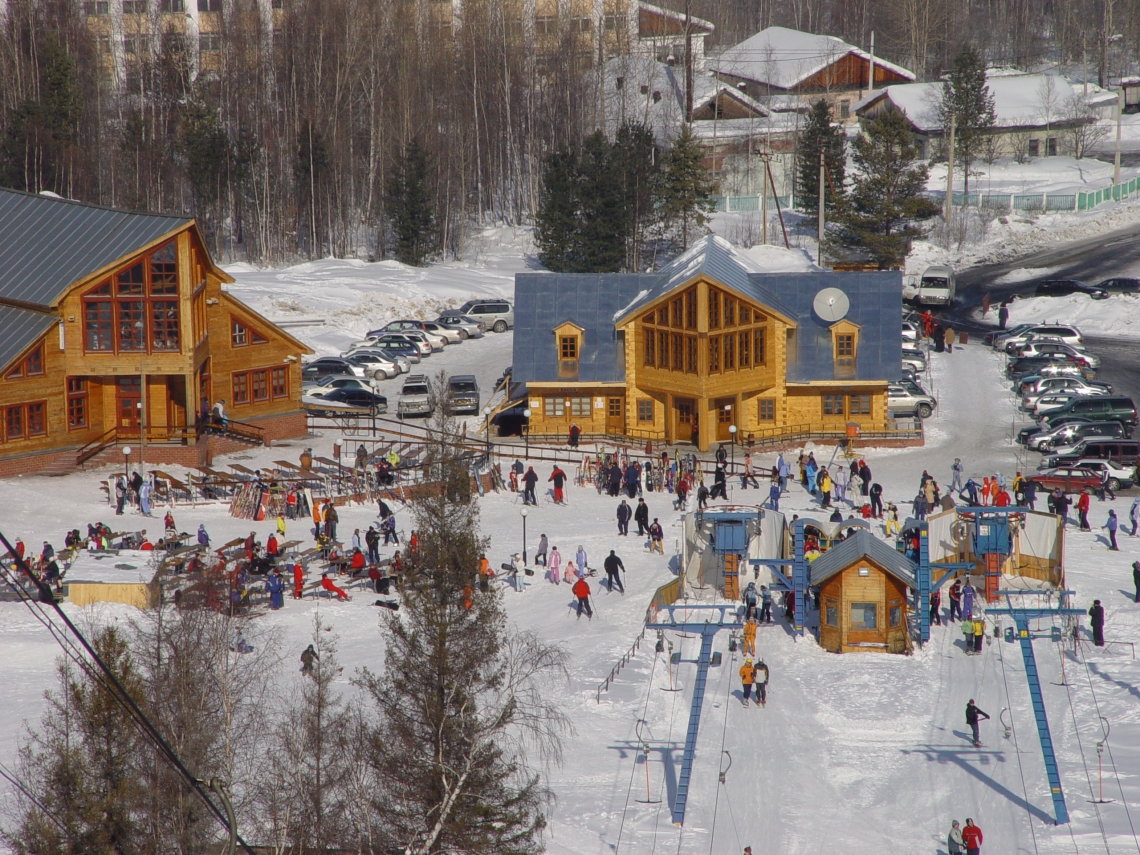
(1021, 616)
(727, 618)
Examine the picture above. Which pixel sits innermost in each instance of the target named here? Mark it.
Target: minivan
(496, 315)
(463, 394)
(1119, 408)
(1122, 451)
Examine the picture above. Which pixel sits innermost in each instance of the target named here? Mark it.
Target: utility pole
(819, 252)
(871, 71)
(764, 201)
(1116, 155)
(949, 182)
(689, 65)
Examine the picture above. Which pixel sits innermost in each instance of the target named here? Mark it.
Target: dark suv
(1065, 287)
(1116, 408)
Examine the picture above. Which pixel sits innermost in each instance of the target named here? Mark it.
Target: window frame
(828, 402)
(279, 380)
(831, 613)
(763, 404)
(78, 398)
(580, 406)
(859, 404)
(554, 407)
(241, 377)
(119, 311)
(568, 347)
(24, 368)
(645, 410)
(864, 607)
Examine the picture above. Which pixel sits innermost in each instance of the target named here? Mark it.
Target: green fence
(1115, 193)
(736, 204)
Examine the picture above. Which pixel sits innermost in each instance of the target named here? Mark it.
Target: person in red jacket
(271, 546)
(356, 564)
(1083, 510)
(581, 590)
(298, 580)
(559, 479)
(972, 837)
(330, 586)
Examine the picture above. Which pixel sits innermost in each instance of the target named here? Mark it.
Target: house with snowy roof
(798, 67)
(711, 342)
(1038, 114)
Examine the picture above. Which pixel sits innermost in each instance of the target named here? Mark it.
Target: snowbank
(1118, 316)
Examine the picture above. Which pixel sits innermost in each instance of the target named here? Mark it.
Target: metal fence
(737, 204)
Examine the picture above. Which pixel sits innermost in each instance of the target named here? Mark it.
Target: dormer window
(568, 347)
(844, 348)
(568, 344)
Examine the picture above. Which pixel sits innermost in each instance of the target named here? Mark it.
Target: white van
(937, 287)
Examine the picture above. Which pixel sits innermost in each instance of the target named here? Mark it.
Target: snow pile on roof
(1118, 315)
(333, 302)
(777, 259)
(696, 23)
(782, 57)
(1021, 100)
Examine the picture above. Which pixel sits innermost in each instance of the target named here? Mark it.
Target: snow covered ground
(1118, 315)
(853, 753)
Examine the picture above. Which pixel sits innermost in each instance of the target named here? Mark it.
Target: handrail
(86, 452)
(118, 434)
(242, 430)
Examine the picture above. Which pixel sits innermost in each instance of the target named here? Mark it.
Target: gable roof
(697, 26)
(18, 329)
(48, 243)
(862, 544)
(1018, 99)
(783, 58)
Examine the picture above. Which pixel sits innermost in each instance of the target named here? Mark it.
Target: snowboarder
(971, 834)
(275, 587)
(760, 681)
(1111, 525)
(530, 479)
(623, 515)
(747, 674)
(308, 657)
(749, 635)
(1096, 618)
(559, 479)
(581, 590)
(540, 553)
(641, 517)
(954, 844)
(973, 712)
(613, 566)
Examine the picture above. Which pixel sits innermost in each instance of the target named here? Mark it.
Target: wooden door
(725, 418)
(683, 409)
(128, 402)
(615, 416)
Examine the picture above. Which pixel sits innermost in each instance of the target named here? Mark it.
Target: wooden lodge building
(864, 585)
(707, 343)
(115, 328)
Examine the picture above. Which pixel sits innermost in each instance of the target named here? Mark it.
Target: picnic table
(175, 484)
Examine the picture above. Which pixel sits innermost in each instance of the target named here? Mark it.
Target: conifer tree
(603, 220)
(410, 206)
(636, 160)
(820, 133)
(556, 221)
(686, 189)
(886, 194)
(966, 96)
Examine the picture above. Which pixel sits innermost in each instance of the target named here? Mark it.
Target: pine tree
(966, 96)
(603, 220)
(887, 192)
(636, 159)
(459, 691)
(819, 133)
(410, 206)
(686, 188)
(556, 221)
(205, 148)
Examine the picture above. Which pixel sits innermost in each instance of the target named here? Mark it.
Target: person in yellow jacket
(747, 672)
(750, 637)
(825, 489)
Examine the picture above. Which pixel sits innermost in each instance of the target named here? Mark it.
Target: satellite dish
(831, 304)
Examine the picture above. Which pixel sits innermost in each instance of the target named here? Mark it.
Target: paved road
(1090, 260)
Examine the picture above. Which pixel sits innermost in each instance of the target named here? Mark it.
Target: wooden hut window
(239, 335)
(858, 405)
(895, 614)
(758, 352)
(37, 425)
(260, 385)
(714, 354)
(745, 360)
(241, 388)
(164, 325)
(132, 325)
(831, 613)
(863, 615)
(678, 352)
(691, 309)
(164, 271)
(678, 313)
(662, 349)
(729, 351)
(767, 410)
(833, 405)
(131, 281)
(691, 354)
(279, 383)
(650, 348)
(663, 316)
(568, 347)
(714, 309)
(76, 403)
(554, 407)
(580, 407)
(644, 410)
(729, 312)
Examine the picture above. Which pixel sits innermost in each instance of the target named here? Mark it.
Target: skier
(865, 476)
(308, 657)
(1134, 516)
(580, 560)
(747, 674)
(581, 590)
(956, 475)
(120, 496)
(765, 604)
(656, 537)
(748, 475)
(891, 524)
(967, 602)
(979, 627)
(972, 714)
(623, 515)
(839, 482)
(641, 517)
(275, 587)
(1096, 618)
(971, 834)
(530, 479)
(540, 553)
(203, 537)
(760, 681)
(750, 599)
(552, 566)
(1111, 524)
(749, 635)
(824, 488)
(390, 530)
(559, 479)
(954, 844)
(613, 566)
(330, 586)
(774, 496)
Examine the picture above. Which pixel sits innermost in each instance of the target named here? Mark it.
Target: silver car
(468, 327)
(902, 401)
(497, 315)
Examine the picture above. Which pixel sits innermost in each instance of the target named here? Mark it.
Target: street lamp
(732, 434)
(127, 461)
(487, 427)
(523, 512)
(526, 431)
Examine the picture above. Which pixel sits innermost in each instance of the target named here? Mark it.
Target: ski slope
(854, 752)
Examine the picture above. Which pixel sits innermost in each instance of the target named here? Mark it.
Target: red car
(1069, 478)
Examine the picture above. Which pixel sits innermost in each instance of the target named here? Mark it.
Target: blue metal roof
(544, 301)
(18, 329)
(48, 243)
(862, 544)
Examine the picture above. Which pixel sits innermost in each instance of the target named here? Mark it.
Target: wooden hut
(863, 585)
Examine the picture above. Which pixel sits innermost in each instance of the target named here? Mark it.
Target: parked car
(912, 386)
(1119, 408)
(437, 341)
(1065, 351)
(418, 345)
(1077, 384)
(1062, 369)
(1023, 332)
(1050, 402)
(914, 359)
(998, 336)
(1041, 427)
(901, 401)
(911, 331)
(341, 402)
(451, 334)
(330, 383)
(401, 363)
(1119, 285)
(1029, 399)
(375, 365)
(1121, 476)
(1068, 434)
(463, 394)
(332, 365)
(408, 350)
(468, 327)
(416, 398)
(1069, 478)
(1125, 451)
(497, 315)
(1023, 365)
(1065, 287)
